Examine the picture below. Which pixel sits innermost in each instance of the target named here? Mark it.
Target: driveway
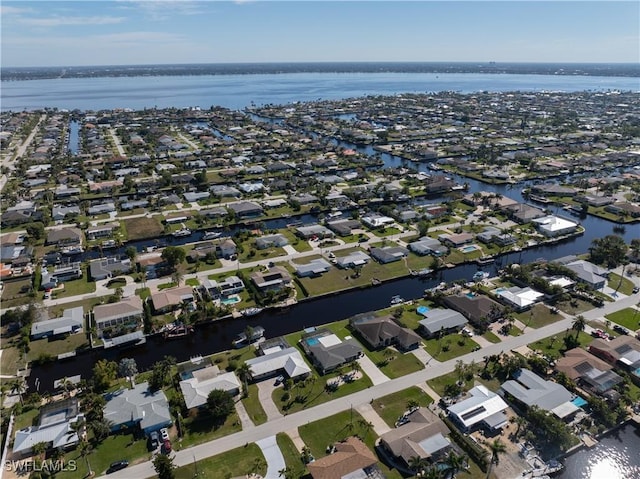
(265, 389)
(371, 370)
(273, 456)
(370, 414)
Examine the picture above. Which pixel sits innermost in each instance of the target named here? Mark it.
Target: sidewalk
(273, 456)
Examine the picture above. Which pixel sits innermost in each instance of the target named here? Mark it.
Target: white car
(164, 434)
(467, 332)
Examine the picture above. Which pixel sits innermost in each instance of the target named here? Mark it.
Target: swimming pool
(231, 299)
(311, 341)
(500, 290)
(579, 402)
(468, 248)
(422, 310)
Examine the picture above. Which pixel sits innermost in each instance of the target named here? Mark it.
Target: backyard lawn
(291, 455)
(627, 317)
(54, 347)
(391, 407)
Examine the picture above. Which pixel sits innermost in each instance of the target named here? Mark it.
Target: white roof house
(552, 225)
(519, 298)
(483, 406)
(375, 220)
(288, 360)
(196, 389)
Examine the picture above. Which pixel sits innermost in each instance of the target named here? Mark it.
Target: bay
(240, 91)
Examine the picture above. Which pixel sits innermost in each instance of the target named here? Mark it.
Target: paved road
(434, 369)
(10, 162)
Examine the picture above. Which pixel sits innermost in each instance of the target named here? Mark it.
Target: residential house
(589, 273)
(344, 227)
(275, 278)
(314, 231)
(588, 371)
(104, 268)
(351, 459)
(552, 226)
(138, 408)
(246, 209)
(438, 184)
(520, 299)
(327, 351)
(170, 299)
(152, 265)
(356, 258)
(456, 240)
(54, 426)
(427, 245)
(478, 309)
(375, 220)
(523, 213)
(389, 254)
(59, 213)
(201, 382)
(423, 435)
(313, 268)
(440, 321)
(381, 332)
(481, 409)
(101, 208)
(225, 191)
(528, 389)
(103, 230)
(277, 357)
(71, 322)
(194, 197)
(70, 236)
(623, 351)
(271, 241)
(226, 287)
(125, 314)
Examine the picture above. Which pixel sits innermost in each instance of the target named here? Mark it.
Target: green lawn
(142, 227)
(391, 407)
(192, 282)
(291, 455)
(538, 316)
(492, 338)
(237, 462)
(254, 408)
(76, 287)
(554, 345)
(9, 359)
(575, 306)
(627, 317)
(441, 382)
(16, 293)
(201, 428)
(456, 344)
(300, 245)
(394, 364)
(56, 346)
(622, 285)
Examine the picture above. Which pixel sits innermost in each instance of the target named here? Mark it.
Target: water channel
(217, 336)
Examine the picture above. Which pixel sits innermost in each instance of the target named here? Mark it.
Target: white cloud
(165, 9)
(58, 21)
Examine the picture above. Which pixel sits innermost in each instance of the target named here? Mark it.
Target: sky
(123, 32)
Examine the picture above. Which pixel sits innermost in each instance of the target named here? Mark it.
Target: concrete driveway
(273, 456)
(265, 390)
(371, 370)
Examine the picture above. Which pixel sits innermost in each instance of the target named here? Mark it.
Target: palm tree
(244, 373)
(18, 387)
(579, 324)
(455, 463)
(497, 448)
(39, 448)
(84, 450)
(367, 426)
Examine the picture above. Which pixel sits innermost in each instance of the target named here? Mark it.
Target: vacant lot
(391, 407)
(140, 228)
(627, 317)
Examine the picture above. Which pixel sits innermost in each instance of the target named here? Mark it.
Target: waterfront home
(314, 231)
(225, 287)
(520, 299)
(589, 273)
(351, 459)
(327, 351)
(552, 189)
(59, 213)
(138, 408)
(69, 236)
(14, 218)
(196, 388)
(353, 259)
(246, 209)
(456, 240)
(381, 332)
(423, 435)
(588, 371)
(54, 426)
(224, 191)
(624, 208)
(438, 184)
(552, 226)
(427, 245)
(492, 234)
(595, 201)
(153, 265)
(226, 248)
(63, 272)
(71, 322)
(313, 268)
(103, 230)
(344, 227)
(124, 314)
(389, 254)
(523, 213)
(271, 241)
(623, 351)
(194, 197)
(170, 299)
(202, 251)
(528, 389)
(481, 409)
(278, 359)
(101, 208)
(275, 278)
(375, 220)
(478, 309)
(107, 267)
(440, 322)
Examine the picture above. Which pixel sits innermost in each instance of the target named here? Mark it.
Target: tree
(496, 448)
(104, 372)
(578, 325)
(85, 449)
(455, 463)
(131, 252)
(127, 368)
(611, 250)
(244, 373)
(173, 255)
(164, 467)
(176, 277)
(220, 404)
(101, 429)
(18, 387)
(39, 448)
(161, 373)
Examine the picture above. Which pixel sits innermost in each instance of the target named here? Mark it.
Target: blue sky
(117, 32)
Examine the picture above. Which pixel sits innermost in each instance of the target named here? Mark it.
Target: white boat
(335, 214)
(251, 311)
(480, 275)
(397, 299)
(70, 250)
(181, 232)
(421, 272)
(209, 235)
(242, 339)
(109, 244)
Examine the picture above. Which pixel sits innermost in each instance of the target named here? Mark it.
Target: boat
(375, 282)
(71, 250)
(480, 275)
(251, 311)
(397, 299)
(209, 235)
(421, 272)
(109, 244)
(483, 261)
(242, 339)
(181, 233)
(335, 214)
(178, 331)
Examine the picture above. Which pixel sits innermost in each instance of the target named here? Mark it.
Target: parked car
(154, 440)
(636, 290)
(279, 380)
(166, 446)
(620, 329)
(164, 433)
(116, 466)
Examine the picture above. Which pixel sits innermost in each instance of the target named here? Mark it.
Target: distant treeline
(590, 69)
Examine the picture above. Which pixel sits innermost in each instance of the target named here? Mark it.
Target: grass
(56, 346)
(201, 428)
(300, 245)
(192, 282)
(458, 345)
(77, 286)
(142, 227)
(144, 293)
(441, 382)
(627, 317)
(26, 419)
(397, 363)
(553, 346)
(289, 451)
(538, 316)
(492, 338)
(254, 408)
(237, 462)
(621, 284)
(9, 360)
(391, 407)
(16, 293)
(575, 306)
